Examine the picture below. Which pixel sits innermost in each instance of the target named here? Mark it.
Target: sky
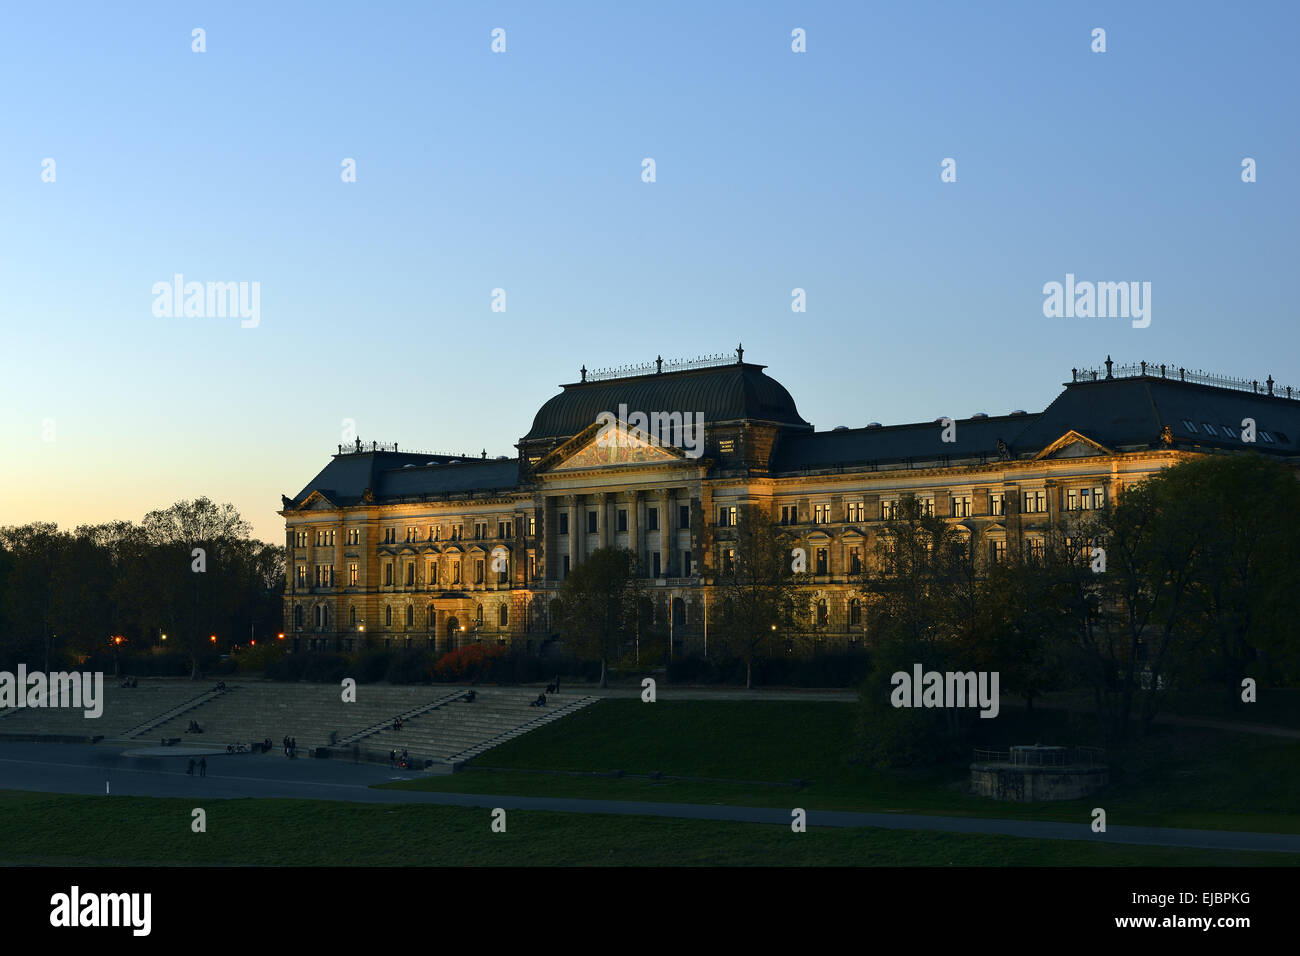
(522, 170)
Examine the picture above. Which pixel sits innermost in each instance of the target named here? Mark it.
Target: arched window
(316, 614)
(352, 614)
(822, 614)
(410, 615)
(297, 615)
(433, 617)
(503, 616)
(855, 611)
(325, 617)
(478, 614)
(388, 616)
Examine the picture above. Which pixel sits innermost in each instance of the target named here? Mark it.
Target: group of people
(221, 687)
(194, 728)
(397, 723)
(202, 765)
(403, 761)
(290, 746)
(131, 682)
(539, 702)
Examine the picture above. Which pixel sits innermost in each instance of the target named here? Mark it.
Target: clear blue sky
(522, 170)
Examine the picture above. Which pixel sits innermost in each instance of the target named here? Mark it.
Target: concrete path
(89, 769)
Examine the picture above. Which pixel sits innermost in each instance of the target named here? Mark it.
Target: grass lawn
(1177, 777)
(60, 829)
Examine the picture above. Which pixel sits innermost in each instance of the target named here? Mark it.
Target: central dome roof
(723, 393)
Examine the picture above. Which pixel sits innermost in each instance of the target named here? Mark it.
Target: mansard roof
(390, 476)
(739, 391)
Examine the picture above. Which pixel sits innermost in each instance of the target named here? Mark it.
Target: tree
(758, 589)
(598, 605)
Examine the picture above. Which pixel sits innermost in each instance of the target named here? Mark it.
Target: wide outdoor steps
(437, 722)
(125, 708)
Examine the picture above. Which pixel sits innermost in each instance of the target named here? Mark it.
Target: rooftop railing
(1181, 374)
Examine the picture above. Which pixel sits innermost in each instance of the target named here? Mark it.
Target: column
(575, 531)
(634, 525)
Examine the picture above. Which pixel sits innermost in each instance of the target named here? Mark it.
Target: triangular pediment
(1073, 445)
(317, 501)
(605, 446)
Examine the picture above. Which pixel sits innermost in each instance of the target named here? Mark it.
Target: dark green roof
(722, 393)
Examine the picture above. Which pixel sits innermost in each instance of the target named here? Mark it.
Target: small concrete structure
(1035, 772)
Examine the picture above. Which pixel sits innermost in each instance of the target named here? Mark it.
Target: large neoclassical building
(434, 551)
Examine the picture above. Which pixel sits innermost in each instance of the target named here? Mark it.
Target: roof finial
(1109, 363)
(1270, 384)
(659, 365)
(740, 353)
(584, 371)
(484, 453)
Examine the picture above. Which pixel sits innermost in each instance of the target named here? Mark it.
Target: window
(410, 574)
(317, 616)
(997, 502)
(925, 506)
(1085, 499)
(480, 530)
(354, 574)
(1037, 550)
(855, 511)
(388, 616)
(297, 615)
(654, 557)
(532, 525)
(961, 506)
(352, 614)
(652, 519)
(564, 524)
(821, 514)
(455, 572)
(412, 533)
(410, 615)
(888, 509)
(1033, 502)
(727, 516)
(324, 575)
(855, 560)
(622, 519)
(789, 514)
(435, 532)
(532, 567)
(505, 529)
(591, 522)
(354, 536)
(457, 532)
(684, 516)
(728, 560)
(855, 612)
(998, 551)
(301, 539)
(503, 616)
(433, 574)
(566, 568)
(388, 574)
(302, 575)
(478, 615)
(822, 561)
(390, 535)
(503, 575)
(686, 564)
(823, 615)
(478, 572)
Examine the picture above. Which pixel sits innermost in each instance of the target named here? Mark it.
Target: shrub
(470, 663)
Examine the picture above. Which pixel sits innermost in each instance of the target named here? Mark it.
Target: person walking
(203, 766)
